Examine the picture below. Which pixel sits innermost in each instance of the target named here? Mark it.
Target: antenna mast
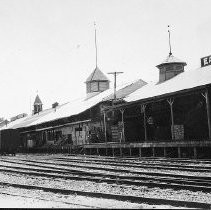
(95, 43)
(170, 53)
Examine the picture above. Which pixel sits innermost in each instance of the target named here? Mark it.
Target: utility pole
(115, 74)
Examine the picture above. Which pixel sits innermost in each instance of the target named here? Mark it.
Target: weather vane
(170, 53)
(95, 42)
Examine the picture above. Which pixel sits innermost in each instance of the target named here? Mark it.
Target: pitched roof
(73, 107)
(37, 100)
(97, 75)
(171, 59)
(127, 89)
(183, 81)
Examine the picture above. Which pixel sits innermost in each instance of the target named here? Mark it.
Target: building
(167, 118)
(170, 117)
(74, 123)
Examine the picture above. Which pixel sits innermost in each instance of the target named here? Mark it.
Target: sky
(47, 46)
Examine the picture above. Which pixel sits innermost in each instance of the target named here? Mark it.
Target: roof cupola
(97, 81)
(171, 66)
(37, 105)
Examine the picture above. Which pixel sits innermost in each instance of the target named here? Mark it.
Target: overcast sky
(48, 45)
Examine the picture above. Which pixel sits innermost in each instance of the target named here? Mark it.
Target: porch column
(164, 152)
(139, 151)
(143, 109)
(130, 152)
(123, 126)
(104, 120)
(208, 111)
(153, 151)
(179, 152)
(120, 151)
(194, 153)
(171, 101)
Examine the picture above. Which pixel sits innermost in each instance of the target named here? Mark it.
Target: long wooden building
(169, 117)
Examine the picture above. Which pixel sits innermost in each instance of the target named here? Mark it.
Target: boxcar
(9, 141)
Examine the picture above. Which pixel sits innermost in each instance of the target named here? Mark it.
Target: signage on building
(205, 61)
(178, 132)
(150, 121)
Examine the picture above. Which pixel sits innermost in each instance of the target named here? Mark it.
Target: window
(103, 86)
(169, 68)
(178, 67)
(88, 87)
(94, 87)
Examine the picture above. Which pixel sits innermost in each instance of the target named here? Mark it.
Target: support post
(130, 152)
(97, 151)
(120, 151)
(123, 125)
(143, 110)
(194, 153)
(153, 151)
(140, 152)
(179, 152)
(164, 151)
(113, 151)
(208, 112)
(104, 120)
(171, 101)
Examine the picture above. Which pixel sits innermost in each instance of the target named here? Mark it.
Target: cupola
(97, 81)
(37, 105)
(171, 66)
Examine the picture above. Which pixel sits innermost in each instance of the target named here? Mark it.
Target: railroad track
(137, 165)
(160, 159)
(117, 167)
(65, 169)
(133, 199)
(143, 164)
(108, 175)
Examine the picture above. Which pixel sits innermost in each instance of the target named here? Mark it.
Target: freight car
(9, 141)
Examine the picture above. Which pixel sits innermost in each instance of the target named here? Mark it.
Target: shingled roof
(37, 100)
(97, 75)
